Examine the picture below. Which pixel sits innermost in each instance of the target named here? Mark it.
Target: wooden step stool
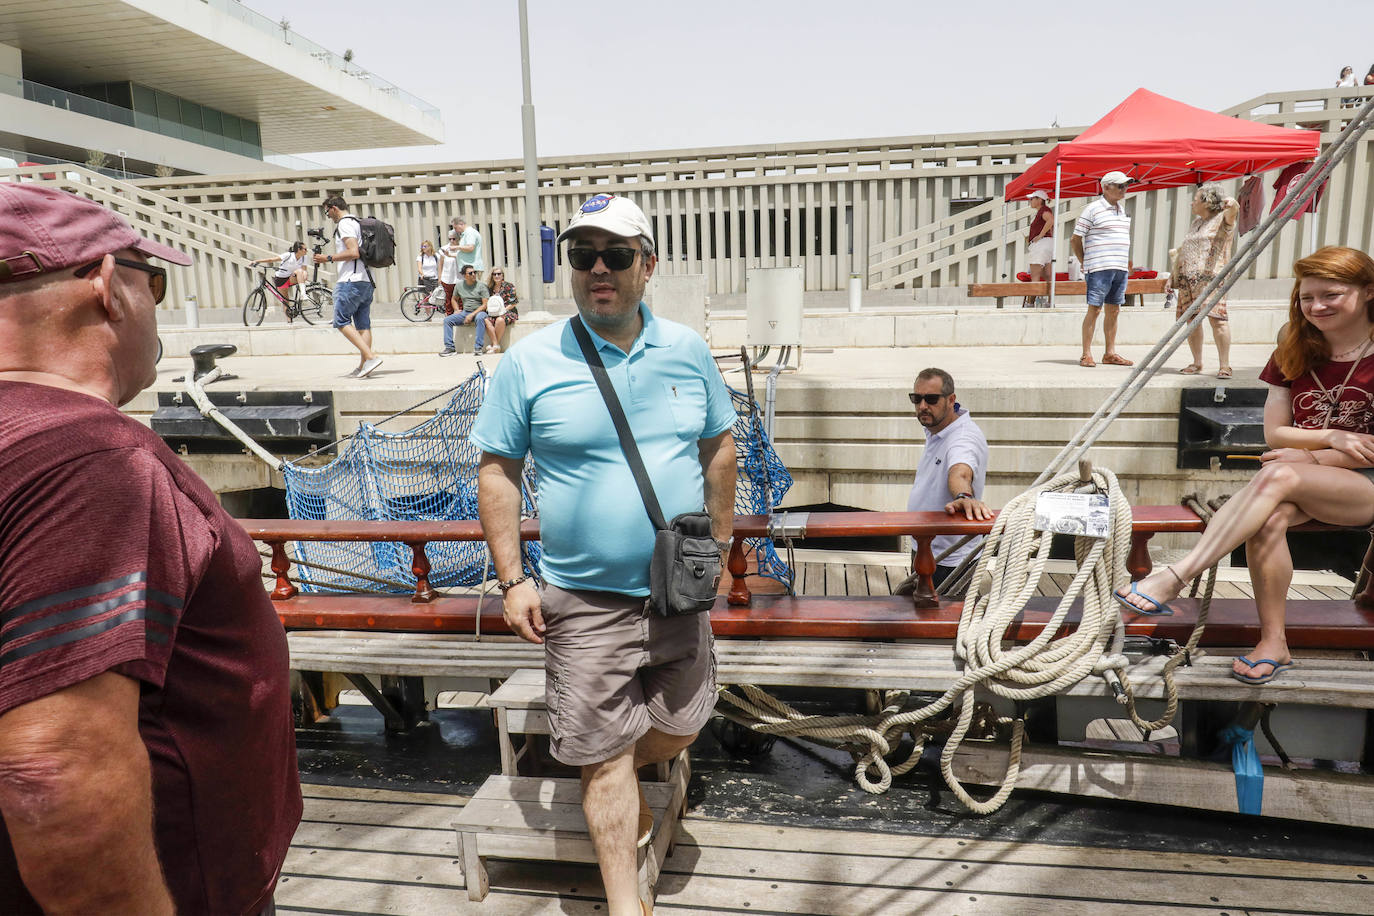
(525, 817)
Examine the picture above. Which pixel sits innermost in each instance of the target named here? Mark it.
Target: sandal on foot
(1160, 608)
(1116, 359)
(1191, 369)
(1086, 362)
(1274, 671)
(1224, 372)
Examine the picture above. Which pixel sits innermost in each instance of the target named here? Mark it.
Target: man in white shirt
(953, 465)
(353, 292)
(469, 246)
(1102, 242)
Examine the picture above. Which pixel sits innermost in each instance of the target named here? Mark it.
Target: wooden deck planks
(351, 857)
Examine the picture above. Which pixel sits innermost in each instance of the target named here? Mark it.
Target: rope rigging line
(1008, 571)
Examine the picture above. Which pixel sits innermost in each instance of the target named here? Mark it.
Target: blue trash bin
(546, 247)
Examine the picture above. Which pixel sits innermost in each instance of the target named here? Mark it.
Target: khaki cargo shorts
(614, 669)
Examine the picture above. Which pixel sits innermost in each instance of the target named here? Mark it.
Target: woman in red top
(1318, 420)
(1040, 241)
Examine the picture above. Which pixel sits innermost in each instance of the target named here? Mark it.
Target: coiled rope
(1008, 571)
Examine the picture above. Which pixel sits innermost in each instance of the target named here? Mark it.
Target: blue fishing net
(425, 473)
(760, 484)
(429, 473)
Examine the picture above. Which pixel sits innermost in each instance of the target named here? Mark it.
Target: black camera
(315, 233)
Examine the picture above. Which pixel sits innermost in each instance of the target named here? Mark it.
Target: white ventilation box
(773, 303)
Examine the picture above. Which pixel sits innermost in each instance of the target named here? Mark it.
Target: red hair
(1302, 346)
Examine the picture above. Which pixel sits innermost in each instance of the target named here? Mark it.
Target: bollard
(855, 292)
(192, 312)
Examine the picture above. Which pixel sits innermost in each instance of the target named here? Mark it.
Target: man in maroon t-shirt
(147, 757)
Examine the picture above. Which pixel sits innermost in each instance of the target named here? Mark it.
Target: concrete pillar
(11, 70)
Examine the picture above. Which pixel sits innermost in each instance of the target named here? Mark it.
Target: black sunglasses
(157, 276)
(931, 399)
(613, 258)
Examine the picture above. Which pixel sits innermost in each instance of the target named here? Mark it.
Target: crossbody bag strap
(622, 425)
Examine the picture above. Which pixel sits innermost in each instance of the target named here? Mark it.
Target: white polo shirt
(961, 442)
(1106, 232)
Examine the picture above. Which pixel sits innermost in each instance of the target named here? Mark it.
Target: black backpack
(376, 242)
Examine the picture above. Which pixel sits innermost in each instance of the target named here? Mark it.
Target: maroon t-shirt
(1355, 412)
(114, 556)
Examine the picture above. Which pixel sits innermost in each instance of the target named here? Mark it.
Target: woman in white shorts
(1040, 241)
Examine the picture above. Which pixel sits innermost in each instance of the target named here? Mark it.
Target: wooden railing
(922, 527)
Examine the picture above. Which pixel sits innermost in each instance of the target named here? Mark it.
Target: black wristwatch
(330, 257)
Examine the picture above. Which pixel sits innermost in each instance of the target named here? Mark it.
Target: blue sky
(611, 77)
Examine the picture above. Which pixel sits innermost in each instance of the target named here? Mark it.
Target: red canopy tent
(1163, 144)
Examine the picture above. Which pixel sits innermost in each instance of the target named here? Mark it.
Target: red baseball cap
(43, 229)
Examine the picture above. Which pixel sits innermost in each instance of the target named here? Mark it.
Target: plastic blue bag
(1246, 764)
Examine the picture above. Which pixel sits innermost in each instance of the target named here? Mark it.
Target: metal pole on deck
(1002, 249)
(1054, 262)
(533, 269)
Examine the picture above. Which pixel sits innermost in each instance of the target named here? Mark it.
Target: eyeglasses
(157, 276)
(498, 274)
(469, 272)
(613, 258)
(931, 399)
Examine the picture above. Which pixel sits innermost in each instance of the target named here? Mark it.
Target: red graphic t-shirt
(114, 556)
(1355, 412)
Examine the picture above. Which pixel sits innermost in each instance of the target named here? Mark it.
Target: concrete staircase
(219, 246)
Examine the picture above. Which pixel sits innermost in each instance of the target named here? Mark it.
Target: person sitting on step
(1319, 424)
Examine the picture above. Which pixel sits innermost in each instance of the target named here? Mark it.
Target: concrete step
(905, 326)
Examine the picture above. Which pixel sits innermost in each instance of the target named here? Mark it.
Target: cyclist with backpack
(354, 289)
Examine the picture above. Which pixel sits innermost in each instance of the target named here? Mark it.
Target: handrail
(922, 527)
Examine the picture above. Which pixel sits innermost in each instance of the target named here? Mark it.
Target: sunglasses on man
(613, 258)
(157, 276)
(931, 399)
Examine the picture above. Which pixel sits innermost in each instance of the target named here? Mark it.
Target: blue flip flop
(1263, 678)
(1161, 609)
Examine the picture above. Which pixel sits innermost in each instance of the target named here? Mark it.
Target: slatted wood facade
(916, 211)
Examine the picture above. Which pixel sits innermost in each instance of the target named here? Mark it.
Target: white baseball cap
(1120, 179)
(1043, 195)
(617, 215)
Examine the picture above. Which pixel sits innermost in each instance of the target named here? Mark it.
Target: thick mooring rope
(1010, 568)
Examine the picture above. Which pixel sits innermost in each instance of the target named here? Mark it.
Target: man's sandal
(1224, 372)
(1086, 362)
(1191, 369)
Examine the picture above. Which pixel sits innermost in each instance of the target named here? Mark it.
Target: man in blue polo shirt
(625, 686)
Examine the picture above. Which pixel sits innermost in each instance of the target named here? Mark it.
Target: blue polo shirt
(542, 400)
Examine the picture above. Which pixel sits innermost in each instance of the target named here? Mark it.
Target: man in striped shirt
(1102, 242)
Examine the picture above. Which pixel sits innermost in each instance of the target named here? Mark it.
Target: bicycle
(317, 307)
(419, 304)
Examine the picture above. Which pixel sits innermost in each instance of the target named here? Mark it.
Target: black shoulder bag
(684, 572)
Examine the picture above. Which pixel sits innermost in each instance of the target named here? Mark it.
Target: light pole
(534, 278)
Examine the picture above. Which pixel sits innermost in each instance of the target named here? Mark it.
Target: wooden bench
(1000, 291)
(352, 633)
